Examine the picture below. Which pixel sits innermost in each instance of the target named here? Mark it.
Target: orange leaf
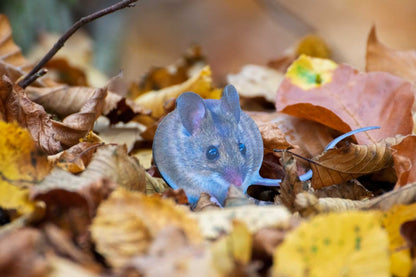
(382, 58)
(353, 100)
(404, 158)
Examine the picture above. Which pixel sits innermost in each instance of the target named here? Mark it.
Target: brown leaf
(352, 190)
(65, 100)
(339, 165)
(273, 137)
(408, 232)
(109, 162)
(23, 253)
(403, 195)
(127, 222)
(77, 158)
(353, 100)
(204, 203)
(291, 185)
(404, 157)
(382, 58)
(49, 134)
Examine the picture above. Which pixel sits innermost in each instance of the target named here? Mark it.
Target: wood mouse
(207, 145)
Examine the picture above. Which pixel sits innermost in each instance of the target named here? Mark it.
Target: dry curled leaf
(339, 165)
(344, 99)
(382, 58)
(352, 190)
(127, 222)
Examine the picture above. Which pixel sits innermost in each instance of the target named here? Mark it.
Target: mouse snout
(233, 176)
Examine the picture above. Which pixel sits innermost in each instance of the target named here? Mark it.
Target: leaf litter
(79, 204)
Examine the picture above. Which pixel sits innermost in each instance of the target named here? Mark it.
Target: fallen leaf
(127, 222)
(379, 57)
(256, 81)
(408, 232)
(273, 137)
(401, 262)
(213, 223)
(77, 158)
(339, 165)
(200, 83)
(231, 253)
(109, 162)
(161, 77)
(352, 190)
(171, 254)
(344, 99)
(404, 158)
(355, 237)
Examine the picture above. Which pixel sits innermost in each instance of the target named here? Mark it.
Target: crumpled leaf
(339, 165)
(127, 222)
(50, 135)
(352, 190)
(65, 100)
(76, 158)
(355, 237)
(273, 137)
(256, 81)
(215, 222)
(404, 158)
(109, 162)
(345, 99)
(200, 83)
(379, 57)
(401, 262)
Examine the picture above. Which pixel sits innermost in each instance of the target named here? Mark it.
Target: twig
(32, 75)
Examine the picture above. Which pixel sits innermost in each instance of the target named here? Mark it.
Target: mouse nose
(233, 176)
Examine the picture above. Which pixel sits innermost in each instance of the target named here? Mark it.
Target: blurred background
(232, 33)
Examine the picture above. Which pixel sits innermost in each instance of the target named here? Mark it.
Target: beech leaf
(382, 58)
(404, 158)
(344, 99)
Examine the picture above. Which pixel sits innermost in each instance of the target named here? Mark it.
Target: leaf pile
(80, 195)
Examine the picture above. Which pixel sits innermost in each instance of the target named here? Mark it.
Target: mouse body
(208, 146)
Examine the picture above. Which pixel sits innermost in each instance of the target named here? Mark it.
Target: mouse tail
(266, 182)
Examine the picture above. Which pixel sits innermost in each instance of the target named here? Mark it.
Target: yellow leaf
(401, 262)
(336, 244)
(313, 46)
(127, 222)
(200, 83)
(307, 72)
(233, 249)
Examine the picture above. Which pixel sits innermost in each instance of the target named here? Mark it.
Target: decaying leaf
(401, 262)
(213, 223)
(404, 158)
(109, 162)
(50, 135)
(351, 190)
(76, 158)
(356, 238)
(127, 222)
(339, 165)
(382, 58)
(272, 137)
(408, 232)
(344, 99)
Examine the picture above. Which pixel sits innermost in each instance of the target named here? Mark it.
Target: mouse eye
(212, 153)
(242, 148)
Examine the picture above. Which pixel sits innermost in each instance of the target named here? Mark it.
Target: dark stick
(32, 75)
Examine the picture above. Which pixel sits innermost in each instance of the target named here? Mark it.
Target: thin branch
(296, 155)
(28, 79)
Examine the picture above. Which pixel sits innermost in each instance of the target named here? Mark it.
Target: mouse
(208, 145)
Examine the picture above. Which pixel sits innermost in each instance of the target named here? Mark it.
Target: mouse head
(208, 145)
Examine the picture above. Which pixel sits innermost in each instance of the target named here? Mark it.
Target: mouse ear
(231, 101)
(191, 110)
